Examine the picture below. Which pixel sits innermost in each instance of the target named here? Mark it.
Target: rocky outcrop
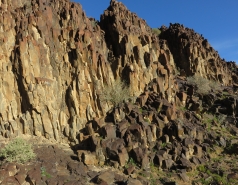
(151, 132)
(135, 52)
(54, 65)
(194, 55)
(50, 55)
(56, 164)
(55, 62)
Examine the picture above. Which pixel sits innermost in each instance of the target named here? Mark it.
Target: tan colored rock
(133, 182)
(89, 158)
(54, 63)
(3, 174)
(106, 177)
(11, 169)
(10, 180)
(38, 92)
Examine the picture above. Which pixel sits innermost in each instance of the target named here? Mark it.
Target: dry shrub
(215, 86)
(203, 85)
(116, 92)
(156, 31)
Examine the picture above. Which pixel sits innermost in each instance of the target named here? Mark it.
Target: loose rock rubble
(54, 65)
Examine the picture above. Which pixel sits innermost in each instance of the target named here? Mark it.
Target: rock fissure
(55, 64)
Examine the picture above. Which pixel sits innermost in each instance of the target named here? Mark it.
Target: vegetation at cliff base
(203, 85)
(116, 92)
(18, 150)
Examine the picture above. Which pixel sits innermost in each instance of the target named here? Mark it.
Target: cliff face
(50, 55)
(135, 52)
(194, 55)
(54, 62)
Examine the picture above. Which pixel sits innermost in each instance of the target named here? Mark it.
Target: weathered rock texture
(136, 52)
(51, 54)
(194, 55)
(54, 63)
(158, 133)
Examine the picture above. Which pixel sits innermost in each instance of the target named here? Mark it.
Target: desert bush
(115, 93)
(156, 31)
(220, 119)
(17, 151)
(203, 85)
(214, 85)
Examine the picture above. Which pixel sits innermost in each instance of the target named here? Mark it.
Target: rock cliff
(55, 64)
(194, 55)
(55, 61)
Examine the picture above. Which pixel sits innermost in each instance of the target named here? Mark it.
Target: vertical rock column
(135, 53)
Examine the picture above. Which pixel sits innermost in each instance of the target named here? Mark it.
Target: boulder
(106, 178)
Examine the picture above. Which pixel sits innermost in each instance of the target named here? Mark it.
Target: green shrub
(44, 173)
(115, 93)
(156, 31)
(202, 168)
(131, 162)
(213, 177)
(203, 85)
(17, 151)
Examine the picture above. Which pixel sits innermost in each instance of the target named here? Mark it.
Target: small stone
(89, 158)
(232, 176)
(198, 151)
(10, 181)
(222, 142)
(186, 164)
(92, 174)
(106, 177)
(168, 163)
(133, 182)
(130, 169)
(184, 177)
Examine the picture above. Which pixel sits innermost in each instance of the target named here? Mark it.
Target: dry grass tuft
(203, 85)
(116, 92)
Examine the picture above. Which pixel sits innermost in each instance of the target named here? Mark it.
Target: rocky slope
(150, 142)
(54, 65)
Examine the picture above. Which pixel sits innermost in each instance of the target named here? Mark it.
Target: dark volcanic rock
(54, 65)
(194, 55)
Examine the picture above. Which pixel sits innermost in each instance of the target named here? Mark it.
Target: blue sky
(215, 20)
